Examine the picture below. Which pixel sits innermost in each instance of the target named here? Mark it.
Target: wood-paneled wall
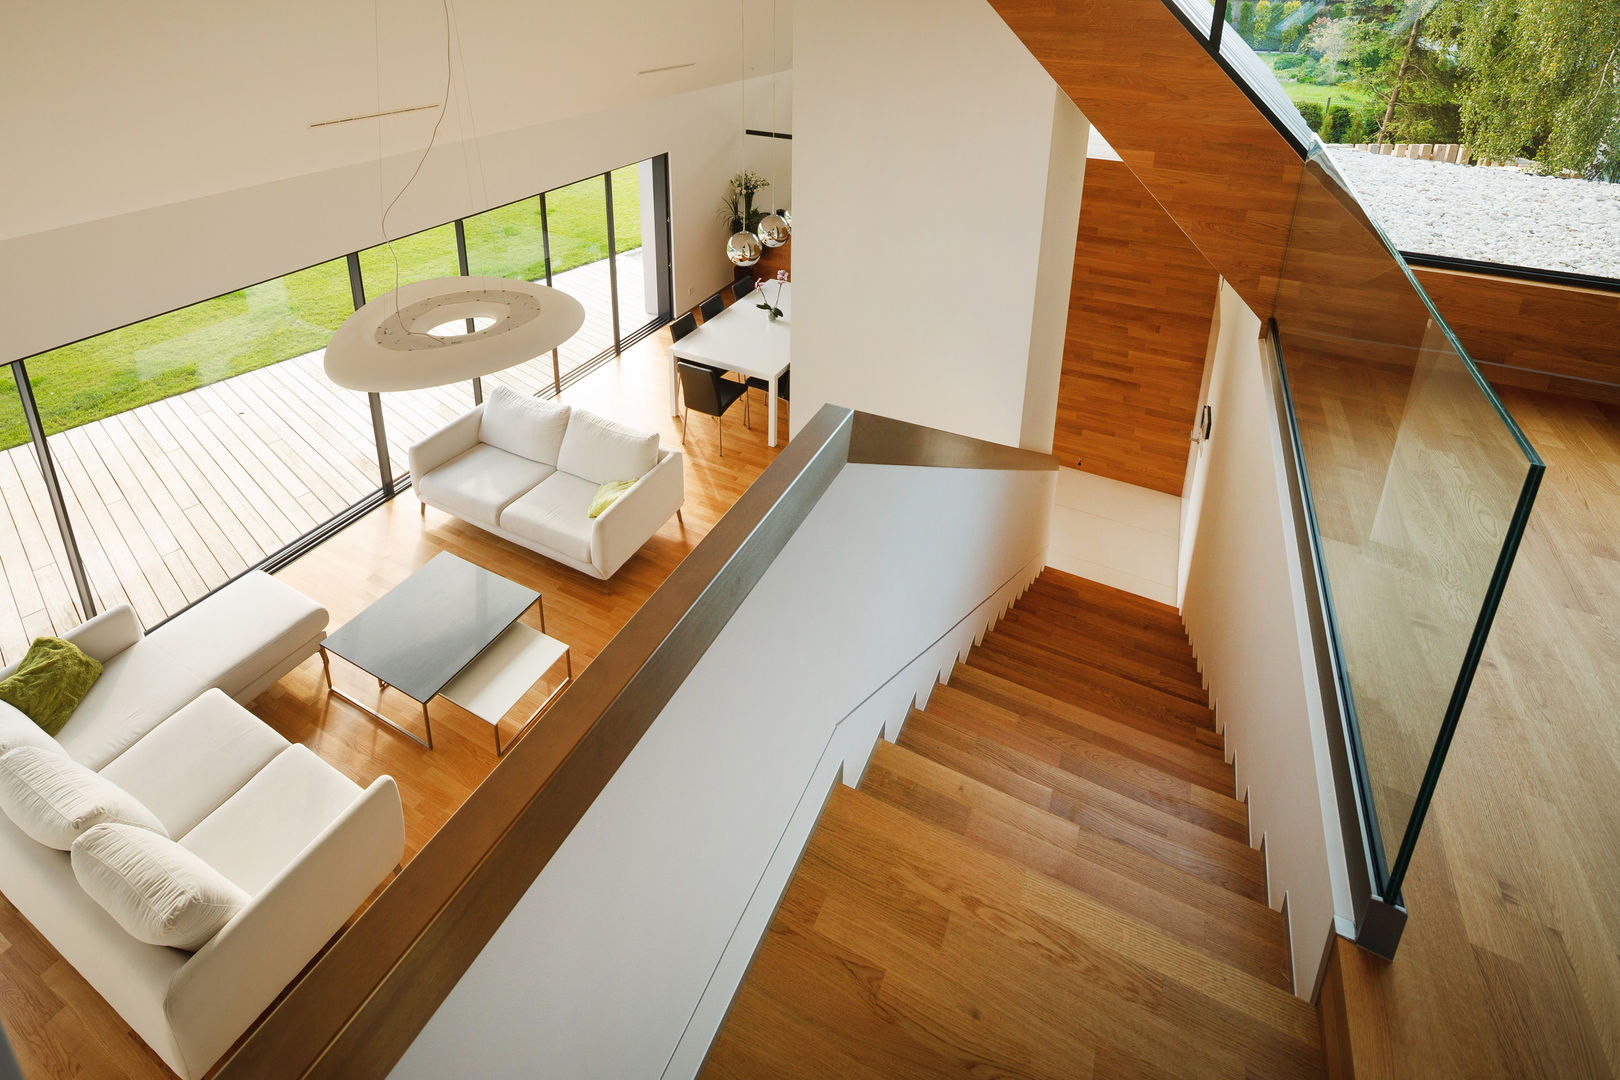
(1182, 125)
(1139, 320)
(1526, 333)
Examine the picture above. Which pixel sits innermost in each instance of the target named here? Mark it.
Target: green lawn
(1342, 93)
(280, 319)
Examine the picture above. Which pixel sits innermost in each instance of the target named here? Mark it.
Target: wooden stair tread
(1248, 935)
(1028, 974)
(1137, 767)
(1126, 776)
(1100, 644)
(1089, 681)
(1222, 860)
(1117, 697)
(1181, 756)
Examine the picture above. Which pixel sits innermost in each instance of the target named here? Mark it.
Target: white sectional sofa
(306, 844)
(527, 469)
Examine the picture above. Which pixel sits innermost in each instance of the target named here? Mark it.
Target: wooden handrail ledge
(360, 1005)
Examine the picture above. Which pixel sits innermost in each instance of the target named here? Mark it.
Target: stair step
(1245, 934)
(1082, 664)
(1095, 689)
(1221, 860)
(1163, 634)
(1110, 647)
(1054, 582)
(1127, 776)
(1185, 758)
(1027, 969)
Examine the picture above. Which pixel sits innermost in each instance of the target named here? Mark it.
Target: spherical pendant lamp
(773, 231)
(743, 248)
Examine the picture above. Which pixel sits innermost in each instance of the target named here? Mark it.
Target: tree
(1541, 79)
(1401, 53)
(1245, 21)
(1291, 27)
(1332, 38)
(1265, 14)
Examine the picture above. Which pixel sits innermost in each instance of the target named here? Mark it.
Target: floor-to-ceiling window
(189, 447)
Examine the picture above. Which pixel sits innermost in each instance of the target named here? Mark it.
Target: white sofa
(527, 469)
(305, 843)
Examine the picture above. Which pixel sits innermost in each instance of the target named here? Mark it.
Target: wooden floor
(1510, 962)
(170, 500)
(60, 1027)
(1047, 877)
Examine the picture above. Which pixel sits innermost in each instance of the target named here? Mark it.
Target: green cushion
(608, 494)
(50, 682)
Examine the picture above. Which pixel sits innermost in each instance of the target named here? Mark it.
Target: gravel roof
(1498, 215)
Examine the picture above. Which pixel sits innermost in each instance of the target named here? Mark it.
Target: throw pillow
(50, 682)
(16, 729)
(598, 450)
(524, 425)
(53, 798)
(155, 889)
(607, 495)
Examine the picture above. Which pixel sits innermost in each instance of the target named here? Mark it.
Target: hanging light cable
(742, 247)
(773, 228)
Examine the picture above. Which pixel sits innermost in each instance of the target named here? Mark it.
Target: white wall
(1060, 227)
(673, 873)
(162, 153)
(923, 139)
(1245, 613)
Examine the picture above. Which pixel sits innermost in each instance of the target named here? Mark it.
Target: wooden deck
(171, 500)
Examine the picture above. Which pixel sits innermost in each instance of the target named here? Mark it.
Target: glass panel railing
(1420, 484)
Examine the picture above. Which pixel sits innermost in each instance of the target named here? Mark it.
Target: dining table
(745, 339)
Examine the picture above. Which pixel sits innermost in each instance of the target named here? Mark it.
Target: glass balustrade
(1420, 484)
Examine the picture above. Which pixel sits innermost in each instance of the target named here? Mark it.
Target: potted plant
(737, 208)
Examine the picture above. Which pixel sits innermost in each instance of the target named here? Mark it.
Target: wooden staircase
(1048, 876)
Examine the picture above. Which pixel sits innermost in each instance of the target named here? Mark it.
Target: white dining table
(742, 338)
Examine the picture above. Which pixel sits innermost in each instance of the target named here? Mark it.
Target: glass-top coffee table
(451, 628)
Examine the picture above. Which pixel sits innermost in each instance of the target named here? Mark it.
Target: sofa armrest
(103, 637)
(455, 438)
(231, 980)
(632, 519)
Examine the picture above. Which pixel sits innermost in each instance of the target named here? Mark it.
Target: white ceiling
(127, 106)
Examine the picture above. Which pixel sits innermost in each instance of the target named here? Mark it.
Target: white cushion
(478, 485)
(234, 637)
(16, 729)
(229, 640)
(262, 828)
(184, 768)
(53, 798)
(155, 889)
(524, 425)
(601, 451)
(138, 688)
(556, 515)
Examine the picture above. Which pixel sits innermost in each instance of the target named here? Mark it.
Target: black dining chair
(711, 307)
(683, 326)
(741, 288)
(765, 384)
(705, 391)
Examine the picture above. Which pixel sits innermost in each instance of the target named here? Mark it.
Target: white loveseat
(306, 844)
(527, 469)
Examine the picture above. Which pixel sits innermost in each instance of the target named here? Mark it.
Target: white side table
(499, 676)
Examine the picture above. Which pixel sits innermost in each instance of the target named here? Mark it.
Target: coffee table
(451, 628)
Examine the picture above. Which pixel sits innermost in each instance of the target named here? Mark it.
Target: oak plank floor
(60, 1027)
